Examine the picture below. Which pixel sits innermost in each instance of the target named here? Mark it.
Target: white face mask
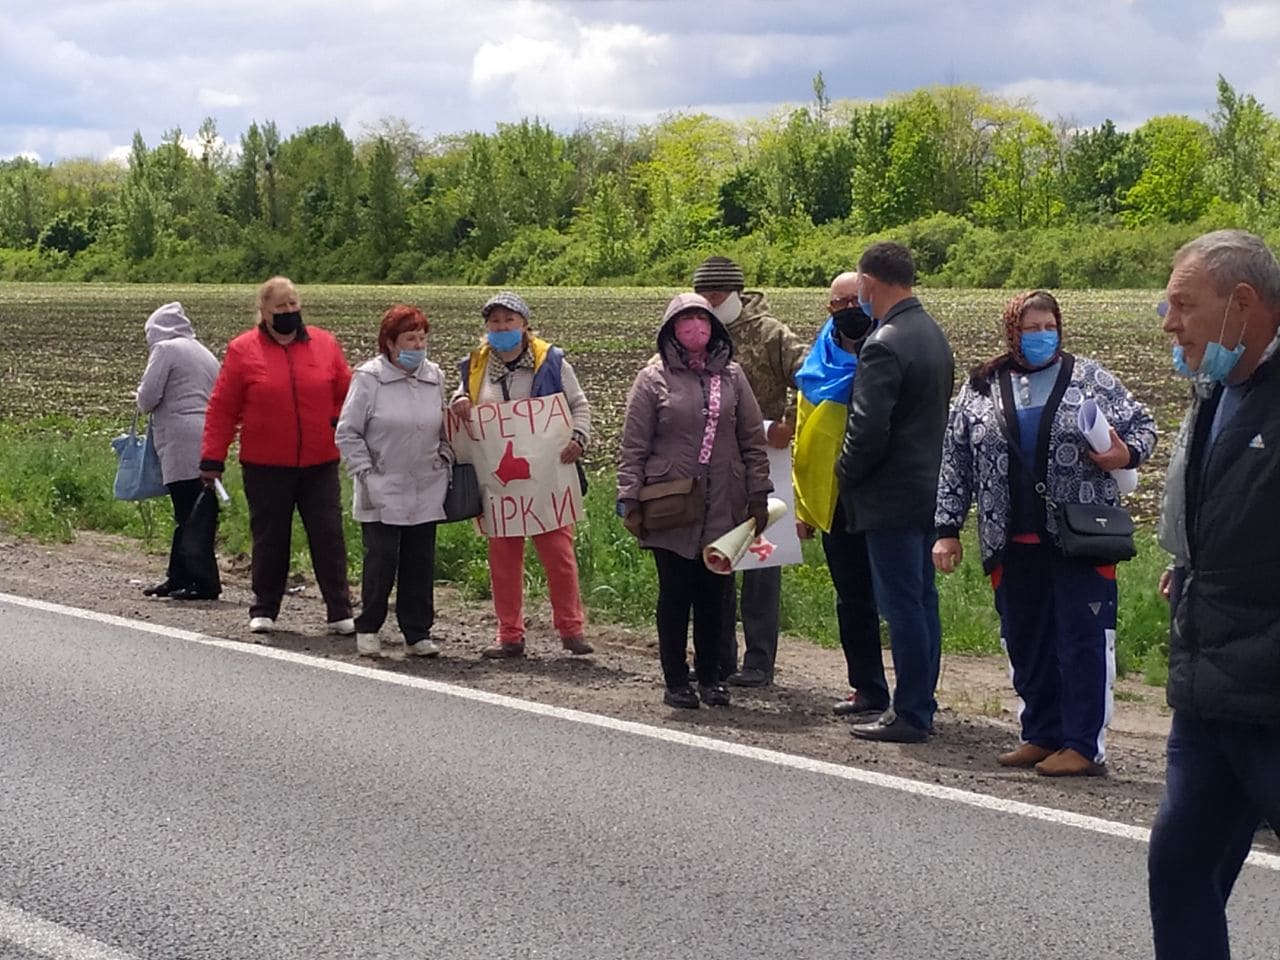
(729, 310)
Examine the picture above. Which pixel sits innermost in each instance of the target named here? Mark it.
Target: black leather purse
(1095, 532)
(462, 502)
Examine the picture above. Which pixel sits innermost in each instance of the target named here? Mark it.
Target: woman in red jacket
(282, 386)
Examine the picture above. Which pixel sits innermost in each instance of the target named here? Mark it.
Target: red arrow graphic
(511, 467)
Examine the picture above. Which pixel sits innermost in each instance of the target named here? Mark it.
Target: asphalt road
(175, 800)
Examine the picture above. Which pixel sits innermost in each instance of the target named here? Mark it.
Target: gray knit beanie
(718, 273)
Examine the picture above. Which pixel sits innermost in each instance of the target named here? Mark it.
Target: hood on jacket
(168, 323)
(720, 343)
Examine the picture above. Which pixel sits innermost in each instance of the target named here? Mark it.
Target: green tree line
(986, 191)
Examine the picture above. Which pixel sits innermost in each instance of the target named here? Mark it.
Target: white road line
(1267, 861)
(47, 939)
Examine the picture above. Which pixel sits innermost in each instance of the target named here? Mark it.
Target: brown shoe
(1070, 763)
(503, 651)
(1027, 755)
(577, 646)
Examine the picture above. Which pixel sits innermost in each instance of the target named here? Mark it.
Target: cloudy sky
(77, 77)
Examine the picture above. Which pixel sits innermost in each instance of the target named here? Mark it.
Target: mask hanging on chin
(730, 309)
(1218, 362)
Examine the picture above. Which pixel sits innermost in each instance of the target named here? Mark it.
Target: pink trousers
(506, 578)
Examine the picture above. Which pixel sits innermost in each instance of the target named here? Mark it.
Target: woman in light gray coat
(692, 414)
(175, 391)
(392, 436)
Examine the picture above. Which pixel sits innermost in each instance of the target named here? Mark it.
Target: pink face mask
(693, 332)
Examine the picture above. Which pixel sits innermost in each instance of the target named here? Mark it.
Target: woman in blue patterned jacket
(1057, 614)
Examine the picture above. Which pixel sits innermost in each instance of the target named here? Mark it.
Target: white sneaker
(368, 645)
(261, 624)
(424, 648)
(343, 628)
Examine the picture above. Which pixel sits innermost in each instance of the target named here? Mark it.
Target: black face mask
(286, 323)
(852, 322)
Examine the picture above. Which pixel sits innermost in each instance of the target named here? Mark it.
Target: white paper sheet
(1097, 433)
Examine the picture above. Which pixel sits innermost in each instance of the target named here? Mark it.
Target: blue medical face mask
(1180, 362)
(865, 304)
(1218, 361)
(505, 340)
(410, 359)
(1038, 346)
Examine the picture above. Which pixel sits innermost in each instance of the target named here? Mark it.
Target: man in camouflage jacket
(770, 354)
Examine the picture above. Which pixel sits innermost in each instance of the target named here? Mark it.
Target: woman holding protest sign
(1014, 444)
(693, 466)
(392, 436)
(512, 363)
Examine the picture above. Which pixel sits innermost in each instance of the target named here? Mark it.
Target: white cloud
(572, 67)
(1250, 23)
(218, 98)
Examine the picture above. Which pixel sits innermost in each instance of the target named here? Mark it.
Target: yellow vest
(819, 436)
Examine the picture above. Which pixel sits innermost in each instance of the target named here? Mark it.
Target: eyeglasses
(839, 302)
(1162, 309)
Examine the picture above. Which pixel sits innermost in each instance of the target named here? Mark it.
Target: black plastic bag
(196, 544)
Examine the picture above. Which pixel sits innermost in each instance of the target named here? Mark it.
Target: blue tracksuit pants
(1058, 626)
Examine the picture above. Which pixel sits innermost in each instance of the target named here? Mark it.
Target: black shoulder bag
(1096, 532)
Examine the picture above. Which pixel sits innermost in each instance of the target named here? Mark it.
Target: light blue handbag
(138, 474)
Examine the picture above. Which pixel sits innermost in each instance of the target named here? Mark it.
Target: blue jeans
(902, 576)
(1222, 779)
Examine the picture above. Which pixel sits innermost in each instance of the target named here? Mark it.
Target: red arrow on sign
(511, 467)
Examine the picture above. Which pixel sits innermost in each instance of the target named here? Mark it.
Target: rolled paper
(723, 553)
(1097, 433)
(221, 491)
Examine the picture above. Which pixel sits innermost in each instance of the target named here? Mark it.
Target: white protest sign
(515, 447)
(779, 545)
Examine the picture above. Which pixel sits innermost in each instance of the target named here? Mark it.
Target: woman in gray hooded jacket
(175, 391)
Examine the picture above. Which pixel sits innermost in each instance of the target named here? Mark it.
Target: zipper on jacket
(297, 411)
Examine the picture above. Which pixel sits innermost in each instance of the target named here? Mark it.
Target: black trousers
(686, 586)
(202, 577)
(856, 613)
(403, 557)
(273, 493)
(759, 598)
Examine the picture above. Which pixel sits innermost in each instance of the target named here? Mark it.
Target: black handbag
(1096, 532)
(462, 501)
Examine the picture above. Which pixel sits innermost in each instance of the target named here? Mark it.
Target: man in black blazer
(888, 472)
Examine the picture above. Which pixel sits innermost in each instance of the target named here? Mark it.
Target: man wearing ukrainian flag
(825, 380)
